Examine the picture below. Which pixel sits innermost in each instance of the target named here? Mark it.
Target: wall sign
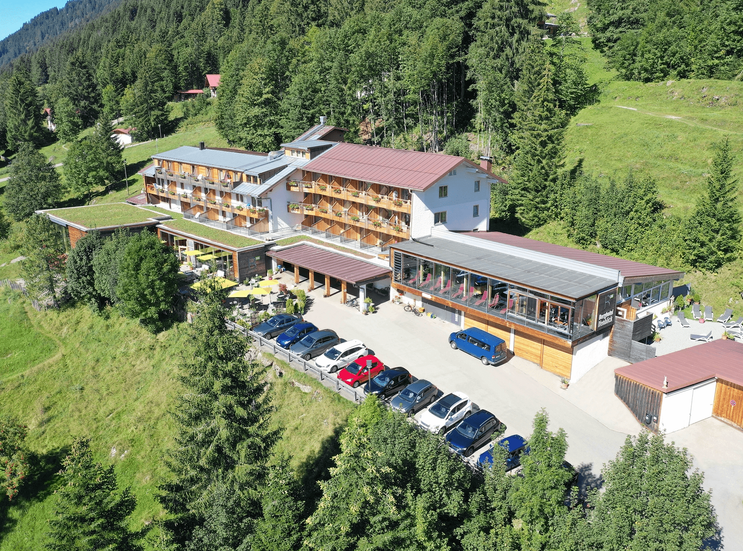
(607, 304)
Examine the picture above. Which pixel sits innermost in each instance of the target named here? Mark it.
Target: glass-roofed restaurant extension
(548, 295)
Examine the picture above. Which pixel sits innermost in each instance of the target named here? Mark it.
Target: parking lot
(596, 422)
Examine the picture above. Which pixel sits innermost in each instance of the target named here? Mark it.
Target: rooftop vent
(202, 146)
(322, 119)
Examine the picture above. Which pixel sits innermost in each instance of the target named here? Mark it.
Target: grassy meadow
(72, 373)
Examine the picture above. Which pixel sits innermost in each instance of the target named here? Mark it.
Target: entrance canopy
(335, 265)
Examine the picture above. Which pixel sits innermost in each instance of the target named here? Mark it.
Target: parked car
(388, 382)
(315, 343)
(276, 325)
(360, 370)
(516, 447)
(446, 413)
(473, 432)
(295, 334)
(341, 355)
(480, 344)
(415, 397)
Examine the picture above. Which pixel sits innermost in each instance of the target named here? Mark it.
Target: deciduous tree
(13, 455)
(44, 265)
(33, 185)
(106, 264)
(223, 440)
(80, 272)
(90, 513)
(147, 280)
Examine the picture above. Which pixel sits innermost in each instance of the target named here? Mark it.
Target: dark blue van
(480, 344)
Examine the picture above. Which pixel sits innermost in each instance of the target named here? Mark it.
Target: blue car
(276, 325)
(480, 344)
(295, 334)
(515, 446)
(474, 432)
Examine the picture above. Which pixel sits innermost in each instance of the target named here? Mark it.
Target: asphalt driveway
(595, 420)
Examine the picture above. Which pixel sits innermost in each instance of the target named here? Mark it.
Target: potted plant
(212, 202)
(322, 187)
(376, 199)
(337, 190)
(355, 218)
(309, 207)
(172, 192)
(397, 228)
(564, 383)
(398, 203)
(226, 205)
(369, 307)
(238, 207)
(376, 224)
(355, 193)
(324, 211)
(307, 185)
(293, 206)
(657, 337)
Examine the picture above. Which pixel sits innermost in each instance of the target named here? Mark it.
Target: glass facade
(548, 313)
(646, 294)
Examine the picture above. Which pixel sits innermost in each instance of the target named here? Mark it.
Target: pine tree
(94, 161)
(539, 137)
(714, 229)
(22, 111)
(68, 121)
(90, 514)
(146, 102)
(34, 184)
(80, 88)
(80, 272)
(106, 264)
(223, 440)
(257, 108)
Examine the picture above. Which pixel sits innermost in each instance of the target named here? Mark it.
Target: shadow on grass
(39, 485)
(316, 467)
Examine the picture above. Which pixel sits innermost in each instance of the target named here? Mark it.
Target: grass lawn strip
(101, 216)
(212, 234)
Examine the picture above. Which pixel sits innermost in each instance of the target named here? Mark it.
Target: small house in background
(49, 121)
(123, 136)
(671, 392)
(184, 95)
(212, 82)
(549, 25)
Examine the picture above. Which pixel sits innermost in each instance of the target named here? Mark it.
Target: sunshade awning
(225, 283)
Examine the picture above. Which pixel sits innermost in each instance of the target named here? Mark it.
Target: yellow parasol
(260, 291)
(225, 283)
(240, 294)
(268, 282)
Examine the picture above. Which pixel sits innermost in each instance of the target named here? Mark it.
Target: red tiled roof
(339, 266)
(722, 359)
(394, 167)
(213, 80)
(628, 268)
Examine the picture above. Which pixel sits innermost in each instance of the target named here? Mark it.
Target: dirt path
(679, 119)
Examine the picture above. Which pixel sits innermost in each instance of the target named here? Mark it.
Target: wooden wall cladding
(75, 235)
(640, 400)
(527, 347)
(558, 360)
(729, 402)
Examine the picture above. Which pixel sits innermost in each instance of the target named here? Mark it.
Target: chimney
(486, 163)
(665, 382)
(322, 119)
(202, 146)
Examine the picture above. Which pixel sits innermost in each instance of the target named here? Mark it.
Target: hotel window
(477, 186)
(439, 217)
(452, 173)
(475, 211)
(443, 192)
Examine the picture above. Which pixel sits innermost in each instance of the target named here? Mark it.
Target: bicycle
(352, 303)
(416, 311)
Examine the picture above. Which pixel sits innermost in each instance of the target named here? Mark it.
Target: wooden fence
(623, 343)
(644, 402)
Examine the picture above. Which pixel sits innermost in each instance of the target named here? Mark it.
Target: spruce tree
(714, 229)
(223, 440)
(80, 272)
(22, 111)
(44, 265)
(90, 513)
(68, 121)
(539, 136)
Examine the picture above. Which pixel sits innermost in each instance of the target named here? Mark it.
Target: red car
(357, 372)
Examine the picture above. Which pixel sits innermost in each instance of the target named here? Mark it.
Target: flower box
(324, 211)
(397, 228)
(226, 205)
(172, 192)
(376, 199)
(338, 213)
(309, 207)
(355, 218)
(376, 224)
(239, 207)
(338, 191)
(398, 203)
(308, 186)
(355, 193)
(212, 202)
(323, 188)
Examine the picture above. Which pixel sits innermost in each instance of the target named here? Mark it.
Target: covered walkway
(324, 262)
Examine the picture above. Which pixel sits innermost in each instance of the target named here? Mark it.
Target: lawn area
(101, 216)
(664, 130)
(9, 271)
(115, 383)
(300, 238)
(212, 234)
(21, 346)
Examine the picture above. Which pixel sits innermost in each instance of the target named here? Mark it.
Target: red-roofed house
(123, 136)
(212, 82)
(185, 95)
(671, 392)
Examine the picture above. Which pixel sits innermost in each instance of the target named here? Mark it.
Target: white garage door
(674, 413)
(702, 401)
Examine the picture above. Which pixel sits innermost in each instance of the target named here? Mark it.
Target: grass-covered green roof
(212, 234)
(103, 216)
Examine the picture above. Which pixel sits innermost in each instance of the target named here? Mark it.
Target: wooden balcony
(185, 178)
(338, 216)
(362, 197)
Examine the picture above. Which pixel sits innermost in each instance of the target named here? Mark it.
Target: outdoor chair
(510, 305)
(682, 319)
(494, 302)
(481, 301)
(412, 280)
(708, 313)
(669, 323)
(661, 324)
(703, 338)
(459, 293)
(446, 289)
(695, 311)
(726, 316)
(426, 283)
(733, 324)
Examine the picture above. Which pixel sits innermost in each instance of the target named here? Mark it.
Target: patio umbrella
(240, 294)
(225, 283)
(268, 282)
(260, 291)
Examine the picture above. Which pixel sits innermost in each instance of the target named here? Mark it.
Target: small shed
(671, 392)
(123, 136)
(212, 83)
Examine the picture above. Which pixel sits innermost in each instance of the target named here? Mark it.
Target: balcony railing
(346, 194)
(194, 181)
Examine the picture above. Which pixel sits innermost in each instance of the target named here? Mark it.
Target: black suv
(388, 382)
(415, 397)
